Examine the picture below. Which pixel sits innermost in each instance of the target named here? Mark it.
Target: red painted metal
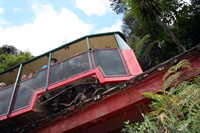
(108, 114)
(132, 62)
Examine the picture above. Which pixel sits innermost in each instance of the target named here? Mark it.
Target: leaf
(174, 69)
(126, 122)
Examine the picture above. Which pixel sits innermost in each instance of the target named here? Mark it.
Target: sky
(39, 26)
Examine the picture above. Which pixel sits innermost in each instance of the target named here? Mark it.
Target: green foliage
(143, 46)
(181, 18)
(130, 128)
(143, 41)
(10, 60)
(11, 56)
(176, 110)
(176, 73)
(143, 10)
(118, 6)
(8, 49)
(150, 10)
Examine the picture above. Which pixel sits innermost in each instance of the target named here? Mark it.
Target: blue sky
(42, 25)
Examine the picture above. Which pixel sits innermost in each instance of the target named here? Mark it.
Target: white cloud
(93, 7)
(1, 10)
(114, 27)
(46, 32)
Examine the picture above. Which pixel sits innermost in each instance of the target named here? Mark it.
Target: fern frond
(150, 125)
(169, 126)
(179, 87)
(156, 97)
(171, 80)
(182, 64)
(172, 70)
(182, 126)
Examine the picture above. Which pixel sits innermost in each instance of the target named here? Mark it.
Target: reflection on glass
(5, 96)
(69, 67)
(110, 61)
(26, 88)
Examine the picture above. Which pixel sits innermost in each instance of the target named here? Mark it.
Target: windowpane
(110, 61)
(5, 96)
(26, 88)
(67, 68)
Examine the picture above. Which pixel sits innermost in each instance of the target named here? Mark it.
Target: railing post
(91, 59)
(48, 72)
(90, 53)
(88, 44)
(14, 90)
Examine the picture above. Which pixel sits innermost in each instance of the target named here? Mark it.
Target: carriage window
(110, 61)
(5, 96)
(9, 77)
(26, 88)
(99, 42)
(70, 50)
(69, 67)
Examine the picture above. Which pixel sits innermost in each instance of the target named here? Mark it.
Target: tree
(149, 10)
(188, 24)
(118, 6)
(143, 46)
(11, 56)
(144, 40)
(181, 18)
(8, 49)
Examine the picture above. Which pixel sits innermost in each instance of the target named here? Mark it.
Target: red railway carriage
(85, 70)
